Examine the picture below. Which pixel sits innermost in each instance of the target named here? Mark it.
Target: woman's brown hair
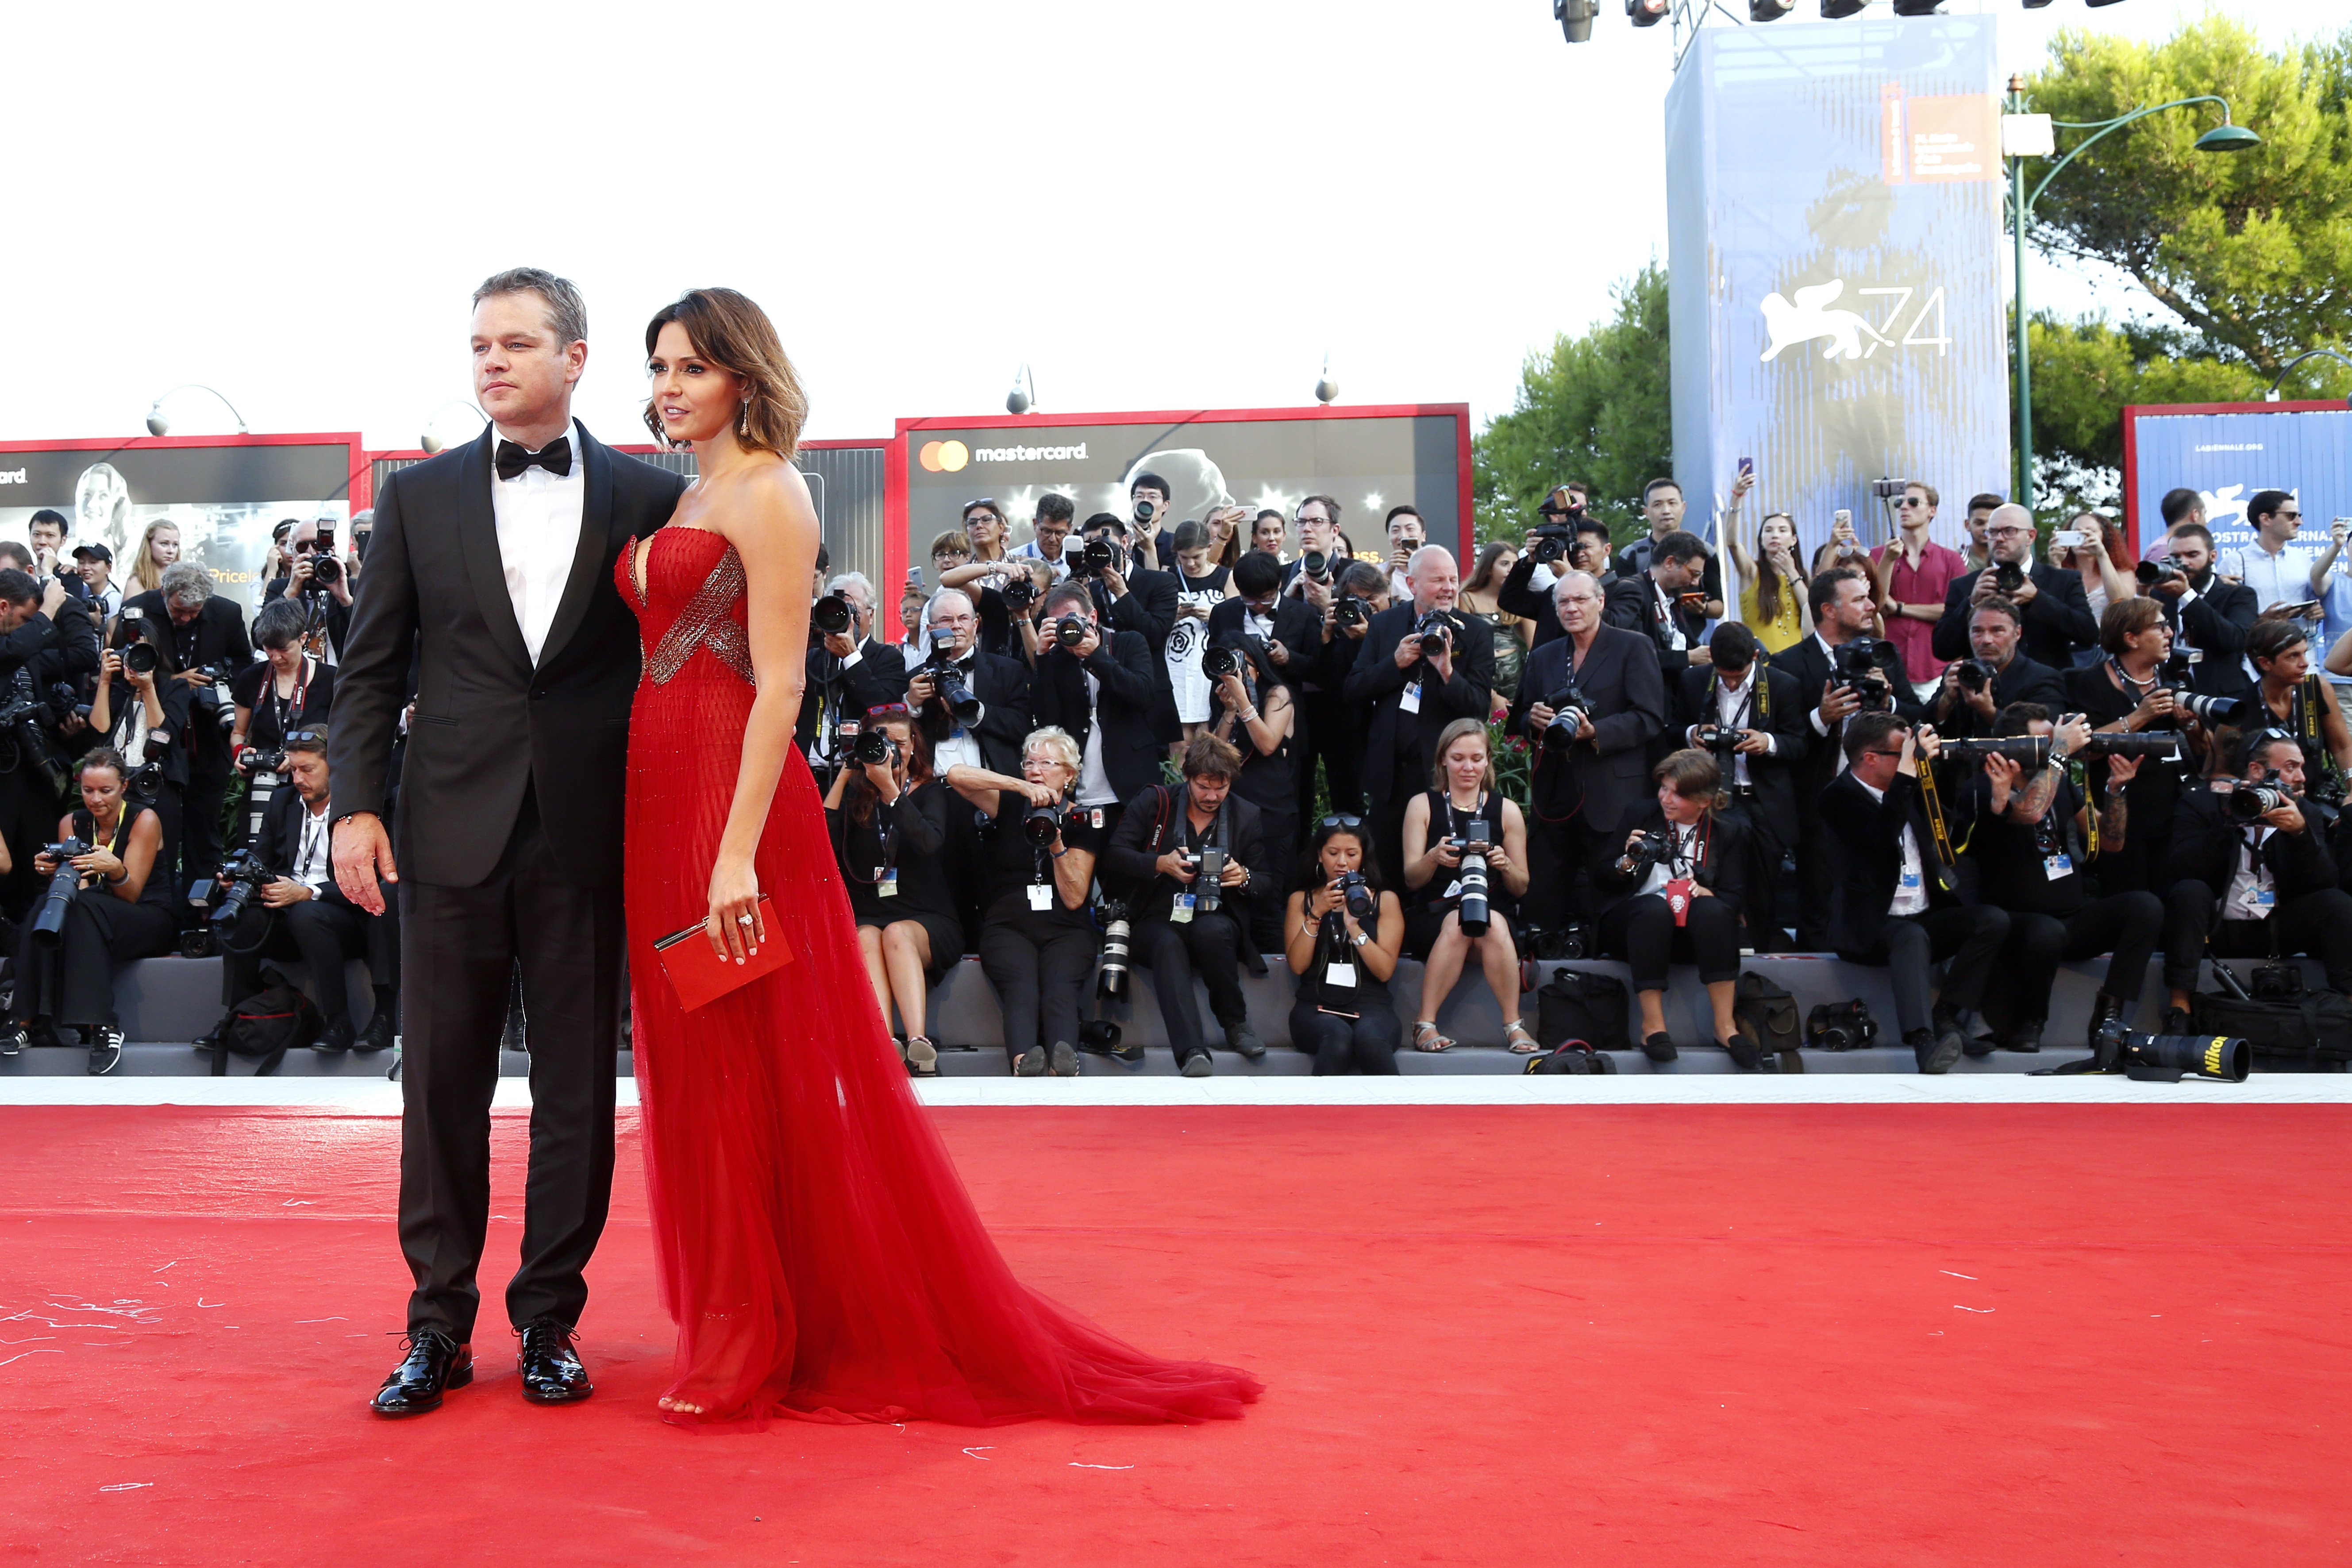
(861, 797)
(730, 332)
(2127, 618)
(1694, 775)
(1462, 729)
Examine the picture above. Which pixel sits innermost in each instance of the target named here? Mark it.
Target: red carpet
(1643, 1335)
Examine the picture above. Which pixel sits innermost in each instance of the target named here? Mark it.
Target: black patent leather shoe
(434, 1365)
(552, 1372)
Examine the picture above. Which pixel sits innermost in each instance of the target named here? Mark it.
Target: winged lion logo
(1810, 317)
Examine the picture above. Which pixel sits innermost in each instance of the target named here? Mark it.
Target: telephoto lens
(1144, 512)
(1110, 973)
(872, 746)
(1041, 824)
(2249, 802)
(49, 925)
(1351, 612)
(831, 615)
(2168, 1058)
(1472, 874)
(1316, 565)
(1973, 674)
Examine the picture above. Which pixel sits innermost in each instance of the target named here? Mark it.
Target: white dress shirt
(311, 867)
(1911, 886)
(2253, 892)
(1094, 779)
(1731, 711)
(538, 516)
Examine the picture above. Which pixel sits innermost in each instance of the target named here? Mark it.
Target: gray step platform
(163, 1003)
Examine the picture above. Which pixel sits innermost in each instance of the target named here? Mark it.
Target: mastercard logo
(944, 456)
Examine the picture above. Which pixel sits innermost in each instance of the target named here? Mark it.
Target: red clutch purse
(700, 975)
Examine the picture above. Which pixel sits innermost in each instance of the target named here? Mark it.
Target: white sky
(1158, 207)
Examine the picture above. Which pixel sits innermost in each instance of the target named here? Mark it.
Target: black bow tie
(555, 458)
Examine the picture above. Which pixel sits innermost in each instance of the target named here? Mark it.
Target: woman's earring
(743, 420)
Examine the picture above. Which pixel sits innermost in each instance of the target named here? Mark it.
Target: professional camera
(2215, 712)
(1352, 611)
(1019, 591)
(1221, 659)
(1146, 512)
(49, 925)
(832, 615)
(1110, 968)
(1100, 554)
(1434, 630)
(1208, 886)
(65, 700)
(1715, 738)
(1569, 705)
(1356, 895)
(326, 570)
(1041, 824)
(1860, 665)
(872, 746)
(1551, 543)
(1473, 910)
(137, 640)
(948, 679)
(2168, 1058)
(1974, 674)
(2008, 576)
(2158, 569)
(2248, 799)
(2180, 665)
(217, 696)
(145, 783)
(1315, 566)
(1839, 1026)
(1072, 630)
(241, 873)
(21, 733)
(1640, 856)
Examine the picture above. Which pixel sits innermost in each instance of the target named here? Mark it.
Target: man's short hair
(1985, 501)
(1999, 604)
(1867, 731)
(280, 624)
(1822, 591)
(185, 582)
(1404, 509)
(2265, 503)
(1207, 756)
(1148, 480)
(1103, 522)
(1330, 505)
(1732, 646)
(1655, 486)
(19, 551)
(1055, 507)
(969, 606)
(17, 588)
(1679, 546)
(49, 514)
(858, 580)
(1933, 498)
(567, 314)
(310, 739)
(2248, 751)
(2190, 530)
(1256, 573)
(2018, 718)
(2178, 504)
(1363, 579)
(1066, 593)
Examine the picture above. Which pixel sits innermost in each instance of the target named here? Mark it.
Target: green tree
(1593, 408)
(2253, 251)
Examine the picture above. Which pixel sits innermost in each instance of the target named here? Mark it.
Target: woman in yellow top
(1773, 594)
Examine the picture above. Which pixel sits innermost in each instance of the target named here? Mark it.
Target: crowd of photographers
(163, 779)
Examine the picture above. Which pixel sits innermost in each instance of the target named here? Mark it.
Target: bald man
(2057, 619)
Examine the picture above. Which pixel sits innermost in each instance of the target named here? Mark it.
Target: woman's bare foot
(679, 1406)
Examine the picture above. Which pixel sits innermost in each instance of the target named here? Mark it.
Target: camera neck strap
(1932, 804)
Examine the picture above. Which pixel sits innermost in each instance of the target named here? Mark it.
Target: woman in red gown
(817, 1250)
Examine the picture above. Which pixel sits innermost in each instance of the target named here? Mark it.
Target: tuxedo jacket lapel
(590, 561)
(477, 541)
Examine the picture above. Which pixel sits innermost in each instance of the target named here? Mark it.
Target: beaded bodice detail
(712, 618)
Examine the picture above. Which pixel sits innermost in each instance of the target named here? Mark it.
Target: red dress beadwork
(818, 1252)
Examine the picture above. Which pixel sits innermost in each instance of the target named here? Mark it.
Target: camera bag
(1574, 1056)
(1577, 1005)
(274, 1020)
(2315, 1027)
(1767, 1015)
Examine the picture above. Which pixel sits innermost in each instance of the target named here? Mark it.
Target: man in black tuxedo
(1414, 693)
(2207, 612)
(991, 738)
(206, 633)
(1738, 694)
(1130, 596)
(1290, 628)
(300, 913)
(1101, 690)
(1896, 902)
(1651, 602)
(1968, 699)
(492, 568)
(1580, 791)
(1843, 607)
(2058, 619)
(849, 673)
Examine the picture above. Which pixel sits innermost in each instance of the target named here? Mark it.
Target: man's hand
(1234, 875)
(1838, 703)
(2025, 593)
(2001, 773)
(1981, 699)
(1408, 648)
(2287, 818)
(53, 596)
(1928, 741)
(2072, 732)
(1114, 581)
(841, 645)
(1700, 654)
(363, 853)
(1174, 864)
(2121, 770)
(2170, 588)
(1754, 744)
(282, 891)
(920, 690)
(1317, 593)
(1085, 646)
(1277, 653)
(1985, 587)
(1443, 660)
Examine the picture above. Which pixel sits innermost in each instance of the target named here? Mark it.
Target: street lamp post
(2025, 135)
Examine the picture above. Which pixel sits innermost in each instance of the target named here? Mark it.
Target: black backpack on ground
(2311, 1029)
(1767, 1015)
(1574, 1056)
(274, 1020)
(1576, 1004)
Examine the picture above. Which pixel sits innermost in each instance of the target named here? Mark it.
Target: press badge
(886, 885)
(1340, 975)
(1094, 817)
(1182, 911)
(1411, 701)
(2058, 865)
(1041, 897)
(1910, 880)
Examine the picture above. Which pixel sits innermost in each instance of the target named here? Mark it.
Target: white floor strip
(368, 1096)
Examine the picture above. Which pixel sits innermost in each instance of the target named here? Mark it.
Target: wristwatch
(1360, 939)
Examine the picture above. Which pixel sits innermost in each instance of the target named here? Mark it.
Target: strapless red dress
(817, 1250)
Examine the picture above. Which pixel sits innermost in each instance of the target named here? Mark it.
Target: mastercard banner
(1370, 459)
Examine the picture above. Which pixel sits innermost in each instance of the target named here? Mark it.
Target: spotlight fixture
(1024, 396)
(157, 425)
(1917, 7)
(431, 441)
(2035, 4)
(2227, 138)
(1575, 18)
(1327, 390)
(1646, 13)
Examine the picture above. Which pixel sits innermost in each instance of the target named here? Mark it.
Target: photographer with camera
(33, 631)
(849, 671)
(2041, 854)
(1556, 545)
(1253, 711)
(2138, 687)
(95, 564)
(285, 690)
(1313, 576)
(1149, 538)
(2209, 614)
(1896, 906)
(1128, 595)
(1186, 856)
(101, 908)
(888, 811)
(1342, 931)
(293, 907)
(2055, 617)
(1049, 532)
(1103, 692)
(2248, 879)
(206, 637)
(973, 706)
(319, 579)
(1674, 881)
(140, 711)
(1750, 718)
(1407, 532)
(1996, 674)
(1421, 666)
(1290, 633)
(1665, 604)
(1036, 939)
(1841, 670)
(1465, 867)
(1591, 701)
(2291, 696)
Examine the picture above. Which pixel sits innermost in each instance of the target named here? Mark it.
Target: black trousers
(1039, 975)
(1270, 883)
(2124, 924)
(71, 981)
(324, 935)
(200, 826)
(1368, 1043)
(1559, 890)
(1970, 935)
(1816, 881)
(1324, 731)
(460, 945)
(1643, 933)
(2317, 924)
(1209, 946)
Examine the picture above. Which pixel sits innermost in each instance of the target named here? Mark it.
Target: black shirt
(2013, 857)
(1016, 865)
(254, 688)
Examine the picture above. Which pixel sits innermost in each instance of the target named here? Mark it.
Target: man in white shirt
(2276, 572)
(1050, 529)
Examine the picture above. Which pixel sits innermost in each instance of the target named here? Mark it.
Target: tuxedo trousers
(460, 949)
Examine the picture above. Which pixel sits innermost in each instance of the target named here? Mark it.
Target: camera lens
(831, 615)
